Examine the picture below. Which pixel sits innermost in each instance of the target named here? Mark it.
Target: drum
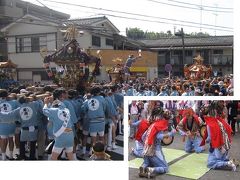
(202, 130)
(167, 141)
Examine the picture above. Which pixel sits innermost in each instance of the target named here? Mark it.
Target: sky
(154, 15)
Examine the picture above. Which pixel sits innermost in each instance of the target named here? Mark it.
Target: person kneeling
(154, 159)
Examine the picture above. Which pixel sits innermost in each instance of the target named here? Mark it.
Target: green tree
(135, 33)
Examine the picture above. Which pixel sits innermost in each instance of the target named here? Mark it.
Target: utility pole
(216, 14)
(181, 34)
(183, 50)
(201, 8)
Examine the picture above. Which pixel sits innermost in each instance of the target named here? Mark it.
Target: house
(12, 10)
(29, 28)
(98, 32)
(25, 38)
(215, 50)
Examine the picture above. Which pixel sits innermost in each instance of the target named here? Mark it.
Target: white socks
(4, 156)
(232, 165)
(49, 156)
(17, 151)
(84, 150)
(90, 151)
(10, 154)
(74, 156)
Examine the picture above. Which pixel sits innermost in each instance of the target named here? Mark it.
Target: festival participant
(174, 91)
(111, 121)
(13, 96)
(95, 109)
(189, 127)
(186, 90)
(99, 153)
(163, 91)
(42, 125)
(7, 129)
(118, 100)
(232, 109)
(76, 102)
(60, 116)
(141, 125)
(62, 95)
(128, 64)
(154, 159)
(134, 113)
(219, 136)
(141, 91)
(131, 91)
(26, 114)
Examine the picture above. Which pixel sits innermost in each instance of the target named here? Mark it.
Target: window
(218, 51)
(162, 52)
(188, 53)
(6, 3)
(35, 44)
(43, 74)
(177, 52)
(109, 42)
(96, 41)
(30, 43)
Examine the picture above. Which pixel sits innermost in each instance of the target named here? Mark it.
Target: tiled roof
(190, 41)
(86, 21)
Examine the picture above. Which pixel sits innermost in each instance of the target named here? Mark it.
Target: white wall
(27, 60)
(11, 45)
(51, 42)
(25, 29)
(85, 40)
(152, 73)
(25, 75)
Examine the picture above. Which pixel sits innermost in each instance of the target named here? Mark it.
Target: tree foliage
(137, 34)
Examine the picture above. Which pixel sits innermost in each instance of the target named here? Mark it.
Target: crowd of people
(59, 121)
(202, 125)
(215, 86)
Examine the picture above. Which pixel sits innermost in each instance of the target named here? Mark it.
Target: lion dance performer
(218, 134)
(154, 159)
(189, 127)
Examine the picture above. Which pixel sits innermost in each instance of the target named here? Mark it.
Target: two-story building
(30, 34)
(216, 50)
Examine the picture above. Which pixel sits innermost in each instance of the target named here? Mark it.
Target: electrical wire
(161, 22)
(186, 7)
(175, 20)
(181, 2)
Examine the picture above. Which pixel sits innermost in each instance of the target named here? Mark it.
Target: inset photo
(183, 139)
(61, 124)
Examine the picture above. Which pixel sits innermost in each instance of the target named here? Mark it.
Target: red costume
(157, 126)
(215, 131)
(143, 126)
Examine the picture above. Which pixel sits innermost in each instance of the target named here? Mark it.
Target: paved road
(212, 174)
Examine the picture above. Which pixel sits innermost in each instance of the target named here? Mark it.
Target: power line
(124, 17)
(187, 7)
(93, 28)
(199, 5)
(135, 14)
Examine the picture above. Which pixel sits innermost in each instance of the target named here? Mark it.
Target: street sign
(168, 67)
